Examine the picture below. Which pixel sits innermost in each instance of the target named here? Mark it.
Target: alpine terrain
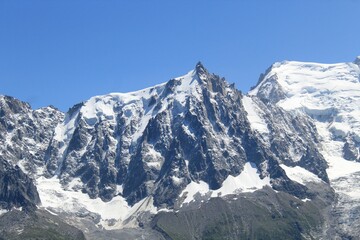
(192, 158)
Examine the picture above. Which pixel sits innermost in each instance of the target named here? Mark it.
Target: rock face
(16, 188)
(25, 133)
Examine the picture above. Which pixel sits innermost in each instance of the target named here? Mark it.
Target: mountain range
(192, 158)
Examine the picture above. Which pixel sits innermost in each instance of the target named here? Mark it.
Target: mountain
(280, 161)
(25, 133)
(330, 95)
(191, 130)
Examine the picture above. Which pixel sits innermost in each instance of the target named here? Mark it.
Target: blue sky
(64, 52)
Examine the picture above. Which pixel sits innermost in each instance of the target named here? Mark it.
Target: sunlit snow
(247, 181)
(330, 94)
(300, 175)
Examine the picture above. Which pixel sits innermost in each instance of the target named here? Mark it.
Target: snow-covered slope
(330, 95)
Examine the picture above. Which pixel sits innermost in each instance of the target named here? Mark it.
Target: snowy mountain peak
(329, 94)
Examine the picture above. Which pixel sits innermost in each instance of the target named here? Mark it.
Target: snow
(135, 105)
(247, 181)
(55, 199)
(99, 107)
(194, 188)
(176, 180)
(136, 109)
(188, 86)
(324, 91)
(257, 123)
(65, 129)
(300, 175)
(145, 205)
(330, 94)
(188, 131)
(332, 152)
(63, 134)
(153, 158)
(3, 211)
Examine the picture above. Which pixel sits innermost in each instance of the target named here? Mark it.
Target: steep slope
(16, 188)
(330, 95)
(24, 138)
(25, 133)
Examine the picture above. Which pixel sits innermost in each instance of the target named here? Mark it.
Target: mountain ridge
(180, 144)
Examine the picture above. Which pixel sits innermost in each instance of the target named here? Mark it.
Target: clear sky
(64, 52)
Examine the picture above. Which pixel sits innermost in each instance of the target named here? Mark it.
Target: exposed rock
(16, 188)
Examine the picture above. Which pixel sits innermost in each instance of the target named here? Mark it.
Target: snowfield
(247, 181)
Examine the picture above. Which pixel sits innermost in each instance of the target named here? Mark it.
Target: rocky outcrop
(16, 188)
(25, 133)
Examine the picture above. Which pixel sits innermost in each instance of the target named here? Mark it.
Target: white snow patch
(188, 132)
(3, 211)
(187, 163)
(119, 189)
(153, 158)
(247, 181)
(188, 86)
(300, 175)
(64, 130)
(74, 184)
(63, 134)
(254, 115)
(194, 188)
(54, 197)
(145, 205)
(332, 152)
(51, 212)
(176, 180)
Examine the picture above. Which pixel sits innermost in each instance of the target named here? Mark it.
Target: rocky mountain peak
(12, 105)
(201, 71)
